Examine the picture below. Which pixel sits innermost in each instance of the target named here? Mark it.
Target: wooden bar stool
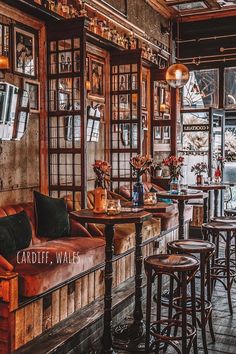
(206, 250)
(168, 331)
(222, 267)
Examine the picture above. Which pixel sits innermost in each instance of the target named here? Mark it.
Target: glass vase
(199, 179)
(100, 200)
(174, 186)
(138, 193)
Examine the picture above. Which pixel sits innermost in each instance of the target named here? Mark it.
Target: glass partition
(201, 91)
(230, 87)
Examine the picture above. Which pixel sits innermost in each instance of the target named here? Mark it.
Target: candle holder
(113, 207)
(150, 198)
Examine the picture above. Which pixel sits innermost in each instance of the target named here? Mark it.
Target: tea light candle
(162, 107)
(150, 198)
(113, 207)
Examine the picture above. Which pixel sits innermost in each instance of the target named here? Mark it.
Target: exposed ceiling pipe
(206, 38)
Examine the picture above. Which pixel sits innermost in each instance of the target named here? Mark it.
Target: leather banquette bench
(87, 244)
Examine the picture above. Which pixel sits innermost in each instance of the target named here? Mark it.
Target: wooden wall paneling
(99, 282)
(19, 328)
(29, 323)
(122, 269)
(132, 261)
(84, 290)
(118, 272)
(91, 289)
(55, 307)
(78, 292)
(38, 316)
(63, 302)
(114, 281)
(47, 312)
(71, 298)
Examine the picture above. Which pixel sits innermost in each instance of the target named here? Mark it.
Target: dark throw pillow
(15, 233)
(52, 216)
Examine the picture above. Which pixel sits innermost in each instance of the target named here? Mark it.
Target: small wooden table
(87, 216)
(182, 198)
(216, 187)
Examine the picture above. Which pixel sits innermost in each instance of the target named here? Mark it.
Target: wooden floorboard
(224, 326)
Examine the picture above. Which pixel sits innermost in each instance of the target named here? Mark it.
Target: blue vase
(174, 186)
(138, 193)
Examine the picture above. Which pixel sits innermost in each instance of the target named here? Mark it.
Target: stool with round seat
(222, 267)
(206, 250)
(170, 330)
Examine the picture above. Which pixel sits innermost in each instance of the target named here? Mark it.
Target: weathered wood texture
(63, 302)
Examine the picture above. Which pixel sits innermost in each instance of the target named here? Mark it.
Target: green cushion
(15, 233)
(51, 216)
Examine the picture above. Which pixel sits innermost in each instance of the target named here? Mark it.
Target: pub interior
(117, 176)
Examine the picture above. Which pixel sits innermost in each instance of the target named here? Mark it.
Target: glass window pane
(201, 91)
(230, 87)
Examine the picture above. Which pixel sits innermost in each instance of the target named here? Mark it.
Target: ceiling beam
(161, 7)
(207, 15)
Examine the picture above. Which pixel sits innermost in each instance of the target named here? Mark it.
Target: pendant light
(177, 75)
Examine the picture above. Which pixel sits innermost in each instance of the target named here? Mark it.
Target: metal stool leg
(227, 260)
(208, 285)
(148, 310)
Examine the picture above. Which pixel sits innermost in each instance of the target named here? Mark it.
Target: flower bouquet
(174, 163)
(198, 169)
(140, 165)
(102, 171)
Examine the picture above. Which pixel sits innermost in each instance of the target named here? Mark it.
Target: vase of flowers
(174, 163)
(102, 171)
(140, 165)
(198, 169)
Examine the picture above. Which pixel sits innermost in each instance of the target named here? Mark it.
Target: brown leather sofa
(36, 279)
(169, 218)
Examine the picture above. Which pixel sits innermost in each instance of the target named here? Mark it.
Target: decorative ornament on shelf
(198, 169)
(157, 169)
(140, 165)
(102, 171)
(175, 164)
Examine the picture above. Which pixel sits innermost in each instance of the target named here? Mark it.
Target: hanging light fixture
(177, 75)
(4, 65)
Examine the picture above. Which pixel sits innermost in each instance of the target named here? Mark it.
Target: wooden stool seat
(230, 212)
(225, 219)
(219, 226)
(192, 246)
(172, 262)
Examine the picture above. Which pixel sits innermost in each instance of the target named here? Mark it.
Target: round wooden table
(182, 198)
(87, 216)
(216, 187)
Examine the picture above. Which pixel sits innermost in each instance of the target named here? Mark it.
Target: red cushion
(35, 279)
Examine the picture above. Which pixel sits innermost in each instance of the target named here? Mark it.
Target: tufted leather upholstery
(35, 279)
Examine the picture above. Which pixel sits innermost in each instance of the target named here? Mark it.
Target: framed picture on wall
(24, 52)
(96, 73)
(157, 133)
(166, 132)
(33, 89)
